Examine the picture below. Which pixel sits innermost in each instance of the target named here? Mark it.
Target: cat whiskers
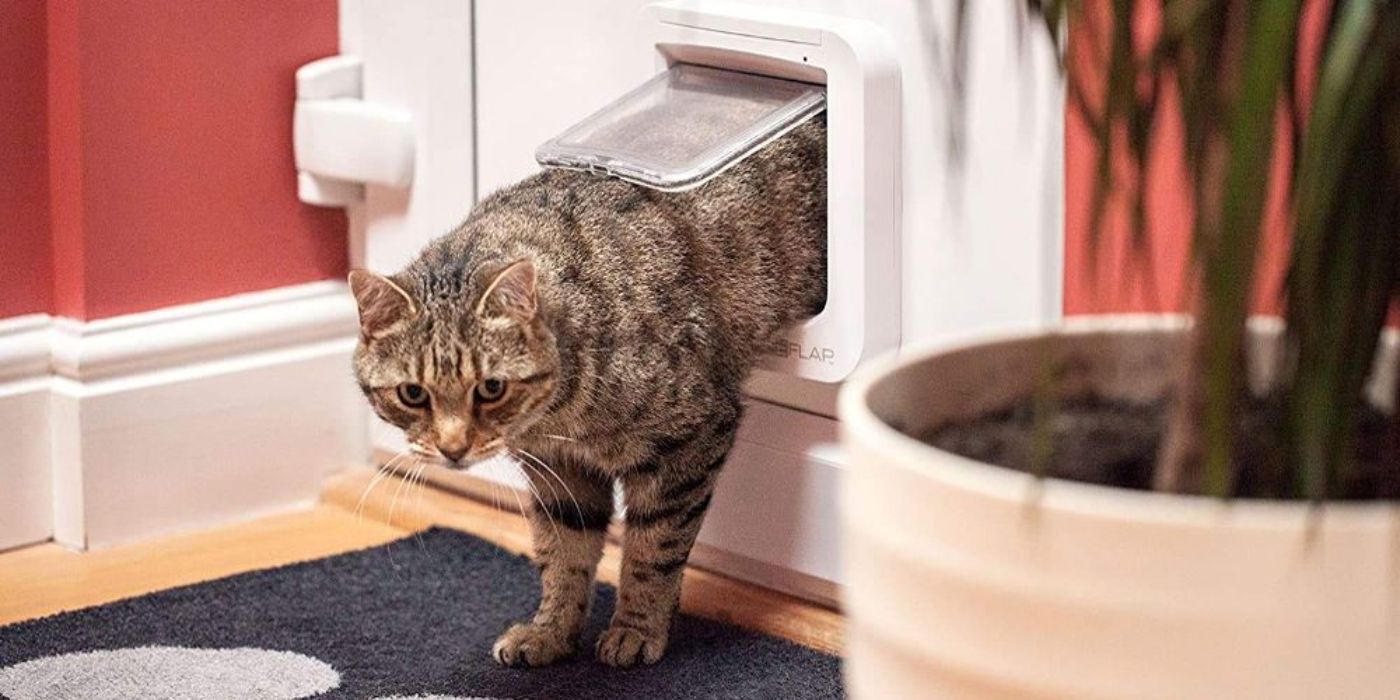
(417, 453)
(383, 471)
(429, 458)
(529, 484)
(420, 478)
(494, 487)
(532, 457)
(519, 503)
(414, 472)
(394, 502)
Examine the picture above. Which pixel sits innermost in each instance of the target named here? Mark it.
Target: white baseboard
(26, 489)
(200, 414)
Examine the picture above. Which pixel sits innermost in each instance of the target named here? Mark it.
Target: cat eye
(413, 395)
(488, 390)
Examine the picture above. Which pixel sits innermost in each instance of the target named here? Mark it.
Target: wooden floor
(45, 579)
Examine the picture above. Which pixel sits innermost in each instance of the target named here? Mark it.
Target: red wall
(25, 259)
(1114, 278)
(169, 175)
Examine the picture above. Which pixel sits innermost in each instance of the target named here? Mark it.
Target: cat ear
(383, 304)
(511, 293)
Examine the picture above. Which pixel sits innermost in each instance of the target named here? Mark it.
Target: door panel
(418, 58)
(543, 65)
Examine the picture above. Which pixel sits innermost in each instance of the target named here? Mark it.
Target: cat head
(462, 366)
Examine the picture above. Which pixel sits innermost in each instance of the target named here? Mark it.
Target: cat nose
(453, 455)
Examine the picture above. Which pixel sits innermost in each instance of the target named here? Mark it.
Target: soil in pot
(1114, 443)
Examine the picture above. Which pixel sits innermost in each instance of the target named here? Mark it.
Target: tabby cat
(601, 331)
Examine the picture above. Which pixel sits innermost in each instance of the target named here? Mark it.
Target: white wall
(980, 251)
(536, 78)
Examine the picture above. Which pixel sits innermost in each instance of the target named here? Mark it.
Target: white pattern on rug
(169, 673)
(431, 697)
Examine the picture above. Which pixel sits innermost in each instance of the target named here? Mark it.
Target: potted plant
(1165, 507)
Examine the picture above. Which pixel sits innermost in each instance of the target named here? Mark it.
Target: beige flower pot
(966, 580)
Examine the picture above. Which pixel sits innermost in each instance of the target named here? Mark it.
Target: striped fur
(623, 321)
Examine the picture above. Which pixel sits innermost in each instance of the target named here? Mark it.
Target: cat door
(736, 76)
(684, 126)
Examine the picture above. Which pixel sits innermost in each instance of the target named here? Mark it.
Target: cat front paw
(529, 645)
(628, 646)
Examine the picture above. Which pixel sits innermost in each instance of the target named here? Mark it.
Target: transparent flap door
(684, 126)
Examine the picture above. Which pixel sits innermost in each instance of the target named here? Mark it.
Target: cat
(602, 331)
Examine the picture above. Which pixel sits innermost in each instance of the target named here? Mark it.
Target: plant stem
(1233, 186)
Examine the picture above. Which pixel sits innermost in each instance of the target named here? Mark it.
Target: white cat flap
(684, 126)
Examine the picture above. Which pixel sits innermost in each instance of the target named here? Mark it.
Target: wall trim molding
(25, 445)
(181, 417)
(25, 347)
(243, 324)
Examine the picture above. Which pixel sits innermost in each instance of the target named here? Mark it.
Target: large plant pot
(967, 580)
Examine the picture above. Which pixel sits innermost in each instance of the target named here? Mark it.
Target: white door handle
(340, 142)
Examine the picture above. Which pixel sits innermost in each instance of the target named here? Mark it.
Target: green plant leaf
(1342, 268)
(1232, 238)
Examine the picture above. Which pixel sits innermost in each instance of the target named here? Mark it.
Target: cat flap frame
(684, 126)
(856, 63)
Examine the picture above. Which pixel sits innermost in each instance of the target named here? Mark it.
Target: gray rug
(414, 618)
